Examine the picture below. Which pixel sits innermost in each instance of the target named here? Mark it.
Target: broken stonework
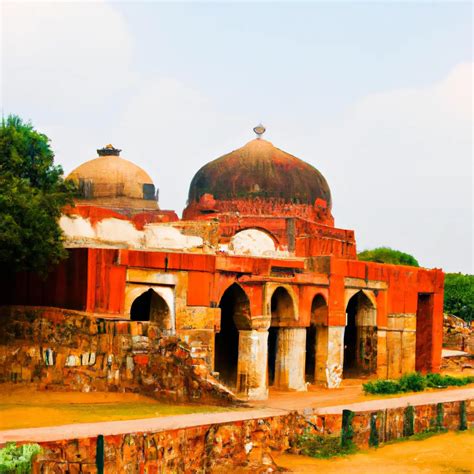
(162, 367)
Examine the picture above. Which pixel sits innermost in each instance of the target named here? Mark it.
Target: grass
(36, 410)
(415, 382)
(323, 447)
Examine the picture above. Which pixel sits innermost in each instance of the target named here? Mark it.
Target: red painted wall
(65, 286)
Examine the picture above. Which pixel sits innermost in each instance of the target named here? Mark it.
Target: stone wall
(224, 447)
(71, 350)
(457, 334)
(401, 345)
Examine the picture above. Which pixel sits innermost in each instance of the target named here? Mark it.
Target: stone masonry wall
(70, 350)
(221, 448)
(457, 334)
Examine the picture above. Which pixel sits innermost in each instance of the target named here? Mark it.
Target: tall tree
(32, 194)
(459, 295)
(388, 255)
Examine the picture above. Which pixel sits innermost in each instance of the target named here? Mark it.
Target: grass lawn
(29, 409)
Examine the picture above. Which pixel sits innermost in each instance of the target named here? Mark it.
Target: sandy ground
(446, 453)
(25, 407)
(21, 407)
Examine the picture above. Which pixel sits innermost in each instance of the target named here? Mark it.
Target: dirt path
(446, 453)
(82, 430)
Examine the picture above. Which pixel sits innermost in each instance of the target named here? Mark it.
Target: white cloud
(63, 56)
(400, 170)
(398, 162)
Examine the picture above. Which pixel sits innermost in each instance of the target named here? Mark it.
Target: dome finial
(109, 150)
(259, 130)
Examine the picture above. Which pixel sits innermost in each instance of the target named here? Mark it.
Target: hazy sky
(377, 96)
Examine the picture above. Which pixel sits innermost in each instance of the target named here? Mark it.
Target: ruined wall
(66, 350)
(457, 334)
(225, 447)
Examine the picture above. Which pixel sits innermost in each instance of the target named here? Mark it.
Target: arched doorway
(360, 337)
(150, 306)
(316, 342)
(282, 309)
(235, 313)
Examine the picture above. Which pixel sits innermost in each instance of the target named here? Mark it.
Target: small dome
(110, 177)
(260, 170)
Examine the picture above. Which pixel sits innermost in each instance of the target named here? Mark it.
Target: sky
(376, 95)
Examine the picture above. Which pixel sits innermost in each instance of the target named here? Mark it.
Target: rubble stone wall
(223, 447)
(74, 351)
(457, 334)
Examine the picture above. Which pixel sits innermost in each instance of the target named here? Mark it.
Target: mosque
(255, 275)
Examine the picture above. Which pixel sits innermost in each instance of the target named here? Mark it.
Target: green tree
(32, 194)
(459, 295)
(388, 255)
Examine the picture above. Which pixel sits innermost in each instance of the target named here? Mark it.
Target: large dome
(114, 181)
(260, 170)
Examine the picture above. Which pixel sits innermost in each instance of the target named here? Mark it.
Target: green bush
(382, 387)
(443, 381)
(322, 447)
(388, 255)
(17, 459)
(415, 382)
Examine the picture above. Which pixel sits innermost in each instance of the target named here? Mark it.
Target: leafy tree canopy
(32, 194)
(388, 255)
(459, 295)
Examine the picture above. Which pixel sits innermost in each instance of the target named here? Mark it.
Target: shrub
(414, 382)
(17, 459)
(322, 447)
(382, 387)
(443, 381)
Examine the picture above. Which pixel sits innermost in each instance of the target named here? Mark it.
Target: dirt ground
(445, 453)
(24, 408)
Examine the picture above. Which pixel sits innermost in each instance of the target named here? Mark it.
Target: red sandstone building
(255, 276)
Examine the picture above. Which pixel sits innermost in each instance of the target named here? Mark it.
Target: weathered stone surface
(242, 446)
(74, 354)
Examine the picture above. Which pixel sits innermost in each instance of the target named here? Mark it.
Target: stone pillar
(381, 353)
(408, 351)
(335, 356)
(252, 365)
(290, 359)
(321, 354)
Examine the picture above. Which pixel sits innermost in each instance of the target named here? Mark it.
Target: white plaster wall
(166, 237)
(111, 230)
(252, 242)
(117, 230)
(76, 227)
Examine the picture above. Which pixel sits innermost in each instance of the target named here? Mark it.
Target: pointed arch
(360, 336)
(235, 314)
